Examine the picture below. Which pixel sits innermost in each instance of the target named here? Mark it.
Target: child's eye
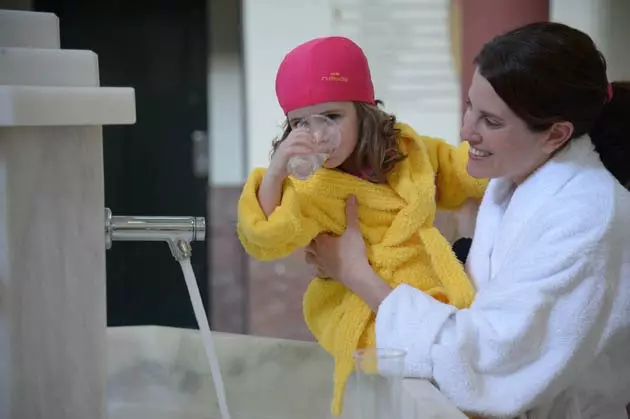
(333, 116)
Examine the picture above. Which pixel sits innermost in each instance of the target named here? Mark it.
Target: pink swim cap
(330, 69)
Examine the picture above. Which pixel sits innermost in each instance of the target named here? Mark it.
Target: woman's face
(501, 144)
(345, 115)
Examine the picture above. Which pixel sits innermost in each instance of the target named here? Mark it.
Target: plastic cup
(378, 378)
(327, 136)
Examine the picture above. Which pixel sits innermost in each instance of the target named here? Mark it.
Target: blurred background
(204, 75)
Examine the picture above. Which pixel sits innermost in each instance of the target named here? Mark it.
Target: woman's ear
(559, 134)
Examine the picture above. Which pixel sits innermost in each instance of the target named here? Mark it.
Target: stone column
(52, 250)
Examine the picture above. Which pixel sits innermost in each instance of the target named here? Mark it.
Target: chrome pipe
(178, 232)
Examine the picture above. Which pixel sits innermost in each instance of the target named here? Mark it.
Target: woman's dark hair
(548, 72)
(377, 146)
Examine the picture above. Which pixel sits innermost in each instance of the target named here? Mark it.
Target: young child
(393, 173)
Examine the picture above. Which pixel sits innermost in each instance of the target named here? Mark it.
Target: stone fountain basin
(162, 373)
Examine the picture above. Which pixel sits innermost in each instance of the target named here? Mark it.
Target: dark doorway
(160, 49)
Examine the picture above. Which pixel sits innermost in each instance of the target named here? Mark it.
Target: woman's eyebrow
(490, 115)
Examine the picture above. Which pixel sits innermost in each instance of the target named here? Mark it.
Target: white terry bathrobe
(548, 335)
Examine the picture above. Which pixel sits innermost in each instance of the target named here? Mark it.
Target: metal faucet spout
(178, 232)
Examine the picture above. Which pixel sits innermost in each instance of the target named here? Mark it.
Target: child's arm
(270, 192)
(271, 221)
(287, 227)
(454, 184)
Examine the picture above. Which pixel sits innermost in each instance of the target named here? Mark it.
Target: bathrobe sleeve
(454, 184)
(535, 325)
(289, 227)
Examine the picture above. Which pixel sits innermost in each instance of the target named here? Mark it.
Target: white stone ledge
(66, 106)
(263, 377)
(20, 28)
(48, 67)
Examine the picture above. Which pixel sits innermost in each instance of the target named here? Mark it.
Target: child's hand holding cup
(326, 137)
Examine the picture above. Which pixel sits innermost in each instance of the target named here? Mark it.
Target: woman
(548, 334)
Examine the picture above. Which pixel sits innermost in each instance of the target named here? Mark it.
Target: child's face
(345, 115)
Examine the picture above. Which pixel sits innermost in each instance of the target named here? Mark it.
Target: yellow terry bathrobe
(396, 220)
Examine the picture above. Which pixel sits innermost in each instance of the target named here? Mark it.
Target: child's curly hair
(377, 145)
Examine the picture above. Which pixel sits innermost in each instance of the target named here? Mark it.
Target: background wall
(16, 4)
(226, 108)
(481, 20)
(229, 276)
(606, 21)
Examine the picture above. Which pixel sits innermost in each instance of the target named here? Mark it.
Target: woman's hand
(337, 257)
(344, 258)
